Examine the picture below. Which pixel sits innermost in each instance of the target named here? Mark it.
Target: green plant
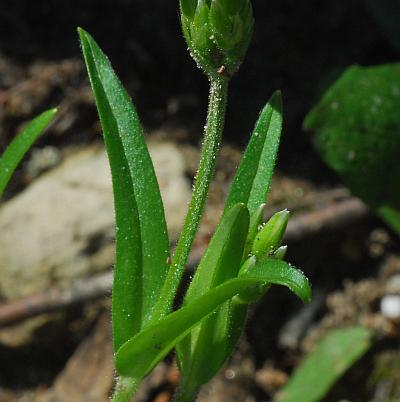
(20, 145)
(244, 256)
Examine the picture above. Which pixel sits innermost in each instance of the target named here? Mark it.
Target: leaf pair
(141, 353)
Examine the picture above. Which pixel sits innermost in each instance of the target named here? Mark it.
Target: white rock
(390, 306)
(62, 226)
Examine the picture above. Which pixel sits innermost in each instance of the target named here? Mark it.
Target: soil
(297, 48)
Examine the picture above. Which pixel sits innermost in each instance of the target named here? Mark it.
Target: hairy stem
(212, 140)
(124, 390)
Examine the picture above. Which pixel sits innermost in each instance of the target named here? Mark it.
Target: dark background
(298, 47)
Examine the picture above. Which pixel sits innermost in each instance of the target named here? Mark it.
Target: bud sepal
(270, 235)
(218, 33)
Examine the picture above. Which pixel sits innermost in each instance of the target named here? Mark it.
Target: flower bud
(253, 293)
(279, 253)
(247, 265)
(218, 33)
(270, 236)
(256, 219)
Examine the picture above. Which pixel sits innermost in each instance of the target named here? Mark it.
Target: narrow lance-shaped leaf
(324, 365)
(20, 145)
(141, 353)
(253, 178)
(201, 353)
(142, 241)
(279, 272)
(251, 186)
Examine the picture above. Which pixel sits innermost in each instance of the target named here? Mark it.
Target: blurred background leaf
(325, 364)
(356, 128)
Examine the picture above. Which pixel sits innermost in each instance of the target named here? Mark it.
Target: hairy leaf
(141, 234)
(253, 178)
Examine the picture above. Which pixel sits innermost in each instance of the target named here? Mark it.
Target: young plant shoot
(244, 257)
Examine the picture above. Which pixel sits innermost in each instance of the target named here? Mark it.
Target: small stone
(390, 306)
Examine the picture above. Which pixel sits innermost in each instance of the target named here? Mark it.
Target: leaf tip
(83, 35)
(276, 100)
(80, 31)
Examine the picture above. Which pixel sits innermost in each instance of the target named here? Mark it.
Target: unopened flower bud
(218, 33)
(280, 253)
(253, 293)
(247, 265)
(270, 236)
(256, 220)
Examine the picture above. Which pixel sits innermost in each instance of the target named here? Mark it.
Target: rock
(390, 306)
(390, 303)
(62, 226)
(41, 160)
(170, 168)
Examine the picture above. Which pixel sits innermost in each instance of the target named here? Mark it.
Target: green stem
(124, 390)
(185, 393)
(212, 140)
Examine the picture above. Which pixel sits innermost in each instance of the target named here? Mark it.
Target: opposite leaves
(139, 355)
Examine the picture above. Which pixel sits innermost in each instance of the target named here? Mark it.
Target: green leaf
(222, 258)
(141, 353)
(253, 178)
(324, 365)
(188, 8)
(269, 237)
(20, 145)
(391, 216)
(141, 234)
(278, 272)
(201, 353)
(356, 129)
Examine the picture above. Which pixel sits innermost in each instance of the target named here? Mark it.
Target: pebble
(390, 306)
